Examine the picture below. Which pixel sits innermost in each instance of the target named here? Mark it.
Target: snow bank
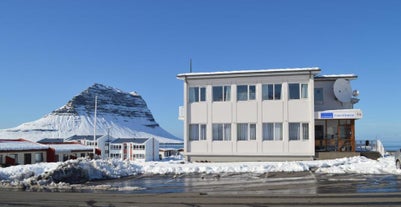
(79, 171)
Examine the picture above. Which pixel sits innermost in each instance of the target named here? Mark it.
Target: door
(27, 158)
(319, 134)
(346, 141)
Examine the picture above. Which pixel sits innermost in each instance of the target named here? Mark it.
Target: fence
(369, 146)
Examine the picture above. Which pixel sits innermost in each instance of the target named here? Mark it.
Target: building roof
(336, 76)
(51, 140)
(248, 73)
(59, 148)
(83, 137)
(130, 140)
(20, 145)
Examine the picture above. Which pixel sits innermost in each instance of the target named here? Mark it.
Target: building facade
(22, 152)
(249, 115)
(141, 149)
(335, 114)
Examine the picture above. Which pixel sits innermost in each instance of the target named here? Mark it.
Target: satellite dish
(355, 93)
(342, 90)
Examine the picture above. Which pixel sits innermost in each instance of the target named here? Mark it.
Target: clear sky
(51, 50)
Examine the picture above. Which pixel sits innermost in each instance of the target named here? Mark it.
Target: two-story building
(142, 149)
(255, 115)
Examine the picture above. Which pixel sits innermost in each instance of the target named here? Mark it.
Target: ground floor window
(298, 131)
(246, 131)
(138, 156)
(39, 157)
(272, 131)
(221, 132)
(197, 132)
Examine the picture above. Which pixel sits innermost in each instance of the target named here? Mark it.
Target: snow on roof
(70, 147)
(83, 137)
(132, 140)
(337, 76)
(51, 140)
(20, 145)
(286, 70)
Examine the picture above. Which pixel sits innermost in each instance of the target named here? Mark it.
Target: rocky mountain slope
(119, 114)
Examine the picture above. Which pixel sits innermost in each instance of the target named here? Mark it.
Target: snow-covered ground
(46, 175)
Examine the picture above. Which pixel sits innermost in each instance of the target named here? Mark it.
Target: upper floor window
(246, 92)
(298, 90)
(221, 93)
(246, 131)
(318, 96)
(221, 132)
(197, 94)
(271, 91)
(298, 131)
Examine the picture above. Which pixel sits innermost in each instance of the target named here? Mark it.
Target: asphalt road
(21, 198)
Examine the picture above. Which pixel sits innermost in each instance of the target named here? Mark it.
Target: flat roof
(20, 145)
(70, 147)
(336, 76)
(244, 73)
(130, 140)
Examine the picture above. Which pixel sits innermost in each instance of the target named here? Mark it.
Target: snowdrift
(65, 174)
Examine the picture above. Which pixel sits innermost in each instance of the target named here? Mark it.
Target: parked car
(397, 156)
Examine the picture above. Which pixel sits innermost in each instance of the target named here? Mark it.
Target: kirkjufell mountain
(119, 114)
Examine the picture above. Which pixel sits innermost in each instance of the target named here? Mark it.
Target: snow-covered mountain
(119, 114)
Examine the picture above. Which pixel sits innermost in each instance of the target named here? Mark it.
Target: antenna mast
(94, 128)
(190, 65)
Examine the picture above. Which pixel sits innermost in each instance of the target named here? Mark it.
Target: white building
(254, 115)
(143, 149)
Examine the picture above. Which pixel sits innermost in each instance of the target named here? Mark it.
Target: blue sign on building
(327, 115)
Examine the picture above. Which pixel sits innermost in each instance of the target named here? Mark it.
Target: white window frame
(249, 95)
(301, 133)
(200, 132)
(199, 94)
(276, 131)
(224, 128)
(303, 91)
(249, 133)
(274, 89)
(225, 93)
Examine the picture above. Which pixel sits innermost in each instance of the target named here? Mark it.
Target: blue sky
(52, 50)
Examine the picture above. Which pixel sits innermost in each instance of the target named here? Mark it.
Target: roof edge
(313, 70)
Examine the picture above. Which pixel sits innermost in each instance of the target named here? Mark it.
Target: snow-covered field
(56, 175)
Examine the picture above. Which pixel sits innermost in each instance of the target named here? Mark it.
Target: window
(197, 94)
(319, 96)
(305, 131)
(297, 91)
(272, 131)
(221, 93)
(197, 132)
(246, 131)
(252, 131)
(39, 157)
(193, 132)
(138, 156)
(246, 92)
(304, 90)
(271, 91)
(115, 147)
(242, 131)
(294, 90)
(202, 135)
(221, 132)
(296, 132)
